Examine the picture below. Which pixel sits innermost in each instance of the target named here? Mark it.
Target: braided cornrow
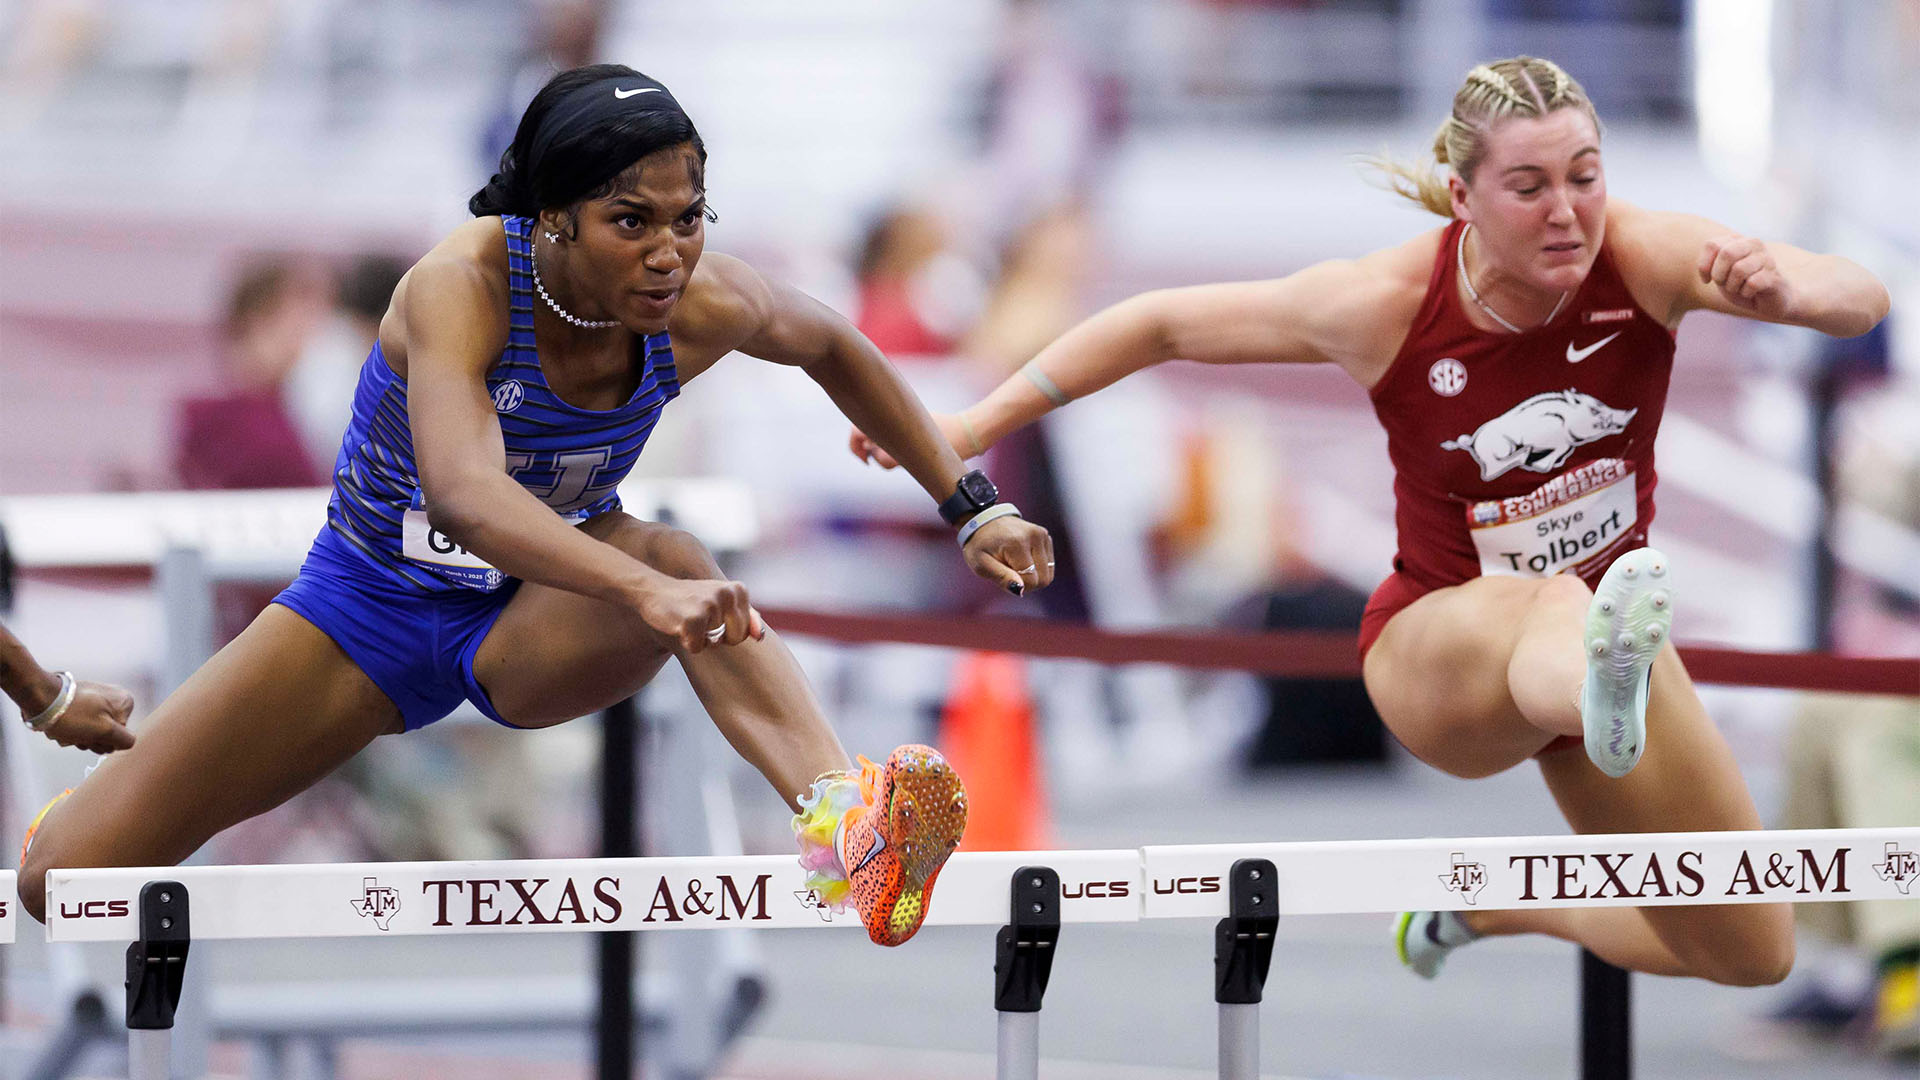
(1491, 93)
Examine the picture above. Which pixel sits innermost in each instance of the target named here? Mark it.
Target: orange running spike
(894, 846)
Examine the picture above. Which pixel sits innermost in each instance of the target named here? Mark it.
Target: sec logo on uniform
(1447, 376)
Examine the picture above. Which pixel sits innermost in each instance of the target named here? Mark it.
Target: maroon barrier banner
(1301, 654)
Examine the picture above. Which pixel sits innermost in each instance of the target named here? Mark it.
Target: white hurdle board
(1517, 872)
(1122, 885)
(276, 527)
(513, 896)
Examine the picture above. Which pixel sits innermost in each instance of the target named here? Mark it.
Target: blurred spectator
(563, 34)
(916, 296)
(47, 39)
(1050, 117)
(245, 436)
(319, 389)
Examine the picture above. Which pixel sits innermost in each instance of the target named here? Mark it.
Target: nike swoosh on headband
(1574, 355)
(625, 94)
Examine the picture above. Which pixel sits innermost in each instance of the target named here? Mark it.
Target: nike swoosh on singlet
(1574, 355)
(879, 845)
(625, 94)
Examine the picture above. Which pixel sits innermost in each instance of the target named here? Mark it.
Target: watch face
(978, 489)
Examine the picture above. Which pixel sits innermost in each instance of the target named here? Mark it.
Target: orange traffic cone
(987, 733)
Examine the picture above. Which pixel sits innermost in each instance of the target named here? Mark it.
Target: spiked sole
(1627, 625)
(925, 813)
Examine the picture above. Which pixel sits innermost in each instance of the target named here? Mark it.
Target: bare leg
(1686, 782)
(1475, 678)
(1620, 936)
(1548, 664)
(277, 709)
(555, 655)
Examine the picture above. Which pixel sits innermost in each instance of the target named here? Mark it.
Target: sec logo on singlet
(508, 396)
(1447, 376)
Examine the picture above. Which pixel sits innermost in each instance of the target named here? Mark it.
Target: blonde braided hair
(1491, 93)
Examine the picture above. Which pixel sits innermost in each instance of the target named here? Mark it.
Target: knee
(33, 883)
(674, 552)
(1563, 589)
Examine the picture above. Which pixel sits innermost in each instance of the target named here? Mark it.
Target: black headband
(599, 102)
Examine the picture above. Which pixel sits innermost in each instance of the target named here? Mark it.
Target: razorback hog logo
(1539, 434)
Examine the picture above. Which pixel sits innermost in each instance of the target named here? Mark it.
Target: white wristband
(57, 708)
(991, 513)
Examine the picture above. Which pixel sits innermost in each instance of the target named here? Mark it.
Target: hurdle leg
(156, 967)
(1242, 952)
(1022, 962)
(1606, 1020)
(615, 1031)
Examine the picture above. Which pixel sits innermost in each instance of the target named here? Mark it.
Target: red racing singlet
(1524, 454)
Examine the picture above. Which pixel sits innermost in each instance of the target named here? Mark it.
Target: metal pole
(1018, 1056)
(150, 1054)
(619, 772)
(1239, 1042)
(1606, 1012)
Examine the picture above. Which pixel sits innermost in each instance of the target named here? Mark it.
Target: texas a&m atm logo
(376, 902)
(1466, 878)
(1900, 867)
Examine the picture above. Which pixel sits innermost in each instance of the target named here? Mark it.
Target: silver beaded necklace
(541, 288)
(1460, 260)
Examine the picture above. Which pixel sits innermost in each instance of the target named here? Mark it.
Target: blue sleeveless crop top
(570, 458)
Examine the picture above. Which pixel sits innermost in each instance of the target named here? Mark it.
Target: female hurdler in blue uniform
(475, 548)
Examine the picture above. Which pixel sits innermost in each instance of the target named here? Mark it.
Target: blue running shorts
(417, 647)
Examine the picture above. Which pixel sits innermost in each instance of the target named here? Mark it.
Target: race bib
(422, 542)
(1560, 526)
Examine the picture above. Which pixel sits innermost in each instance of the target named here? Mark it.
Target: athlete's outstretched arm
(452, 322)
(1703, 265)
(1303, 318)
(774, 321)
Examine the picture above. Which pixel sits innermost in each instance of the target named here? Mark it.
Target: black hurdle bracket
(1242, 952)
(157, 959)
(156, 968)
(1023, 950)
(1243, 941)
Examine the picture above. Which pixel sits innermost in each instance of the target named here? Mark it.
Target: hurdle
(1031, 895)
(187, 543)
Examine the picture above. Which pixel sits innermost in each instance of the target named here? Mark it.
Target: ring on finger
(717, 632)
(1031, 569)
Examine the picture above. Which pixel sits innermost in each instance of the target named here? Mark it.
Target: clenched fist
(697, 614)
(1745, 273)
(96, 719)
(1013, 553)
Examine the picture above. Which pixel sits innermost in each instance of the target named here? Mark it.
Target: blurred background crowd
(205, 204)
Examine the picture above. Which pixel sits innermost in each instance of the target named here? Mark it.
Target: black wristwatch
(972, 494)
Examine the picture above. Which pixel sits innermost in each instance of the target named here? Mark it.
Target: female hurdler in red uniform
(1518, 358)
